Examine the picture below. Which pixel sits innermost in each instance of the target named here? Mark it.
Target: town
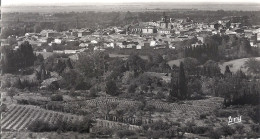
(167, 78)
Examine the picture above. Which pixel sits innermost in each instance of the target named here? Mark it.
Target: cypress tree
(182, 82)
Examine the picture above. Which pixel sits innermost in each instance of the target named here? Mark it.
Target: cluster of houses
(154, 34)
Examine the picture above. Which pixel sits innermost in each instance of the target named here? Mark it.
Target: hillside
(235, 65)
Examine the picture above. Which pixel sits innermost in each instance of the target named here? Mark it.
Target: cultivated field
(43, 135)
(19, 117)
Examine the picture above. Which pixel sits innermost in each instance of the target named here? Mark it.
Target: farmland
(19, 117)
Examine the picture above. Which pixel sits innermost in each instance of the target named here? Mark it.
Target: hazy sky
(54, 2)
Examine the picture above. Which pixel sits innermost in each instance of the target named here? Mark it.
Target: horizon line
(113, 3)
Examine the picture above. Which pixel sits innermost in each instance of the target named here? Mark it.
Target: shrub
(223, 113)
(61, 126)
(255, 128)
(203, 116)
(131, 88)
(227, 130)
(214, 134)
(240, 129)
(57, 98)
(101, 132)
(149, 108)
(254, 113)
(93, 91)
(156, 134)
(3, 108)
(111, 88)
(40, 126)
(200, 129)
(125, 133)
(160, 125)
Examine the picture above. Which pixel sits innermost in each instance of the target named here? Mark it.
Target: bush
(101, 132)
(223, 113)
(156, 134)
(125, 133)
(214, 134)
(255, 128)
(93, 91)
(254, 113)
(3, 108)
(111, 88)
(61, 126)
(203, 116)
(40, 126)
(200, 129)
(57, 98)
(131, 88)
(149, 108)
(227, 130)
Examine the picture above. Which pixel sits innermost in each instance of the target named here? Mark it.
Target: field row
(175, 106)
(19, 117)
(103, 101)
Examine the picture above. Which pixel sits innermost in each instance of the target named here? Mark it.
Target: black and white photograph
(130, 69)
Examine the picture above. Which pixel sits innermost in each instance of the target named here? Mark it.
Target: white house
(94, 42)
(57, 41)
(153, 43)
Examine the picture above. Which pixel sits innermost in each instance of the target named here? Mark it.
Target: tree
(111, 88)
(253, 66)
(178, 85)
(182, 82)
(190, 65)
(227, 71)
(60, 27)
(92, 64)
(13, 60)
(37, 28)
(57, 98)
(136, 64)
(11, 93)
(211, 68)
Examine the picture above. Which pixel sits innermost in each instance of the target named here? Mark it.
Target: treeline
(218, 48)
(13, 60)
(61, 126)
(238, 90)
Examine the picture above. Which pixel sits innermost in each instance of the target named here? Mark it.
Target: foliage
(57, 98)
(190, 65)
(125, 133)
(179, 85)
(92, 64)
(253, 66)
(135, 64)
(73, 79)
(211, 69)
(214, 133)
(131, 88)
(61, 126)
(111, 88)
(254, 113)
(14, 60)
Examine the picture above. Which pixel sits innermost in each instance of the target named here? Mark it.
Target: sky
(55, 2)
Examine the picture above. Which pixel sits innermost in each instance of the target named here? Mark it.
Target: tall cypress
(182, 82)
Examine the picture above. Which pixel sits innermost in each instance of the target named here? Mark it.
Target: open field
(175, 62)
(235, 65)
